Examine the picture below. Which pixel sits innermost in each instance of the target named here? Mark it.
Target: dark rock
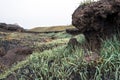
(14, 27)
(73, 43)
(97, 20)
(11, 27)
(3, 25)
(73, 31)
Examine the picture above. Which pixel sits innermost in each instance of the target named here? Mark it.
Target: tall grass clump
(66, 63)
(111, 54)
(51, 65)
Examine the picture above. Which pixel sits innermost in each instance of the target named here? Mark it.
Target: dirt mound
(97, 20)
(73, 42)
(15, 55)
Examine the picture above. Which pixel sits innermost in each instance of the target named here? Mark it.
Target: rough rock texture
(11, 27)
(97, 20)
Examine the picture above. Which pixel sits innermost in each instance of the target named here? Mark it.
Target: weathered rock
(97, 20)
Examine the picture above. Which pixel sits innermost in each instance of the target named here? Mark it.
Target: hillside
(53, 59)
(4, 27)
(91, 52)
(51, 29)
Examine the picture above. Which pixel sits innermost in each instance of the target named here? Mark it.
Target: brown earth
(2, 51)
(15, 55)
(14, 51)
(73, 43)
(97, 21)
(19, 48)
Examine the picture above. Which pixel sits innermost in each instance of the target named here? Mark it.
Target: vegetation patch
(68, 64)
(51, 29)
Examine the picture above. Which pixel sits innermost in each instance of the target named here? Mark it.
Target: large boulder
(97, 20)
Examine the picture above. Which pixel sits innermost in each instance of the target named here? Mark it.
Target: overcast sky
(34, 13)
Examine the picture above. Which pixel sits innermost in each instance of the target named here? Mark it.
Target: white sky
(34, 13)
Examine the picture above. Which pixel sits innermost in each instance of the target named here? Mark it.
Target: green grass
(85, 2)
(51, 29)
(64, 63)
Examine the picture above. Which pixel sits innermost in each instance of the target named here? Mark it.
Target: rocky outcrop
(11, 27)
(97, 20)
